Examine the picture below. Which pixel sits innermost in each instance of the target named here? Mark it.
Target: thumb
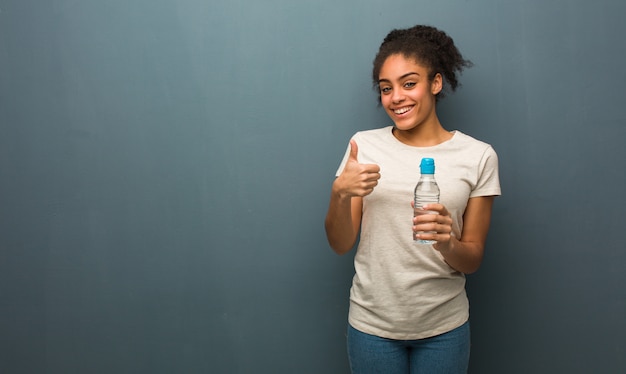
(354, 150)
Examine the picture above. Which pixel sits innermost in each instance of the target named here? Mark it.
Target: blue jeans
(442, 354)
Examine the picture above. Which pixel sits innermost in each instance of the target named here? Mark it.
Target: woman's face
(407, 93)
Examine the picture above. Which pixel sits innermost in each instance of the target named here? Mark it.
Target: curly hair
(428, 46)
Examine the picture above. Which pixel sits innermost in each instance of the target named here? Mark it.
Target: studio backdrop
(165, 169)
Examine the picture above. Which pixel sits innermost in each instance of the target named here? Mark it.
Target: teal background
(165, 168)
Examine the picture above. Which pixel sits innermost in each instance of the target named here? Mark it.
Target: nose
(397, 96)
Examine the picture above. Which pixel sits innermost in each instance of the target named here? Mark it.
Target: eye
(385, 90)
(409, 84)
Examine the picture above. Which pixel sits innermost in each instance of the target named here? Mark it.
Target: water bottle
(426, 192)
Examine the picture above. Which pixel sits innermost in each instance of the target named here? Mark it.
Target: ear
(437, 84)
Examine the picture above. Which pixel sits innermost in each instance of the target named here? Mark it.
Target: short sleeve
(488, 181)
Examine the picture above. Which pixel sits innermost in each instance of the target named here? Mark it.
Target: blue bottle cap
(427, 166)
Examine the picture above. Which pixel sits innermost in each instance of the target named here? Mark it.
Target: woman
(408, 308)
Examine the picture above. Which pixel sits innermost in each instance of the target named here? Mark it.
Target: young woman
(408, 308)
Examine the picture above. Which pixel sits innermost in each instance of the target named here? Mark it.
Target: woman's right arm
(343, 219)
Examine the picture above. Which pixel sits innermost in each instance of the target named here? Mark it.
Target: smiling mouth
(402, 110)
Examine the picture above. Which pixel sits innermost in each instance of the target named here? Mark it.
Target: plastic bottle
(426, 192)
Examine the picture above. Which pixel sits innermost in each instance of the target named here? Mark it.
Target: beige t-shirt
(403, 290)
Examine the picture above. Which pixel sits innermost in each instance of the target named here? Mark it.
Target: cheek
(420, 95)
(385, 101)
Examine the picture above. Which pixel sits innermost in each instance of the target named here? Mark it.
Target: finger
(433, 228)
(354, 150)
(371, 169)
(439, 208)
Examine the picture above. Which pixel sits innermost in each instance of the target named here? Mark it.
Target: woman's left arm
(465, 253)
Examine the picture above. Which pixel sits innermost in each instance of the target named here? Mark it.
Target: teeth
(402, 110)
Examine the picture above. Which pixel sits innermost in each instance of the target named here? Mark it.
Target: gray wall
(165, 169)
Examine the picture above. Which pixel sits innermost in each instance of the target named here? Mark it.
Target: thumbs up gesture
(357, 179)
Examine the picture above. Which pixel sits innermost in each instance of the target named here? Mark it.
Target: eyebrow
(401, 78)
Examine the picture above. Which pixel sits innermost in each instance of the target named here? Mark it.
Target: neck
(424, 135)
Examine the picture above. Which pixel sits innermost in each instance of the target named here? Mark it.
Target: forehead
(398, 65)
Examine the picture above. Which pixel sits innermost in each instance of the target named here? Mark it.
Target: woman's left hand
(437, 226)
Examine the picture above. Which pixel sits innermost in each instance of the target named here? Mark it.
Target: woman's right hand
(356, 179)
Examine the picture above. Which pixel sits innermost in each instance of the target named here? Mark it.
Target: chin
(403, 126)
